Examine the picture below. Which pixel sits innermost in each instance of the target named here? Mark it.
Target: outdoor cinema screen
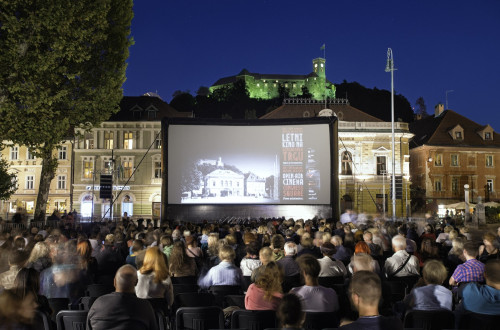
(225, 162)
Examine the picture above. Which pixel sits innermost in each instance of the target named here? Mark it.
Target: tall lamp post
(390, 68)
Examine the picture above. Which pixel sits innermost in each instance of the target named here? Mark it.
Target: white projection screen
(256, 162)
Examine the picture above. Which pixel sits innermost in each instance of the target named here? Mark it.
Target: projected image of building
(224, 183)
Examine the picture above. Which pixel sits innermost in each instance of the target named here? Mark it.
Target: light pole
(390, 68)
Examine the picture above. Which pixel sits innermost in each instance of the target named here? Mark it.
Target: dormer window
(487, 136)
(458, 135)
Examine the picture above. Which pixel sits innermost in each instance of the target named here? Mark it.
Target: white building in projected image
(255, 186)
(224, 183)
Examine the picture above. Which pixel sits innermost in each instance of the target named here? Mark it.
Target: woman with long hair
(153, 277)
(180, 263)
(16, 312)
(265, 293)
(39, 258)
(87, 262)
(428, 250)
(28, 282)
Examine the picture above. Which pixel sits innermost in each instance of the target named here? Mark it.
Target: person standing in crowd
(315, 298)
(365, 291)
(122, 309)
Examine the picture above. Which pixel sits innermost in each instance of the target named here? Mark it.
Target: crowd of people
(280, 264)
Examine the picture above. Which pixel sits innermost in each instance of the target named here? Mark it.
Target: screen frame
(331, 121)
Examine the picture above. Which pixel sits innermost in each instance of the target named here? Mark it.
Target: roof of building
(435, 130)
(262, 76)
(145, 108)
(344, 112)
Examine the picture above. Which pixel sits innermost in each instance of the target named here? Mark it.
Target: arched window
(346, 163)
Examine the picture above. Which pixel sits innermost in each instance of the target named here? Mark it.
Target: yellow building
(365, 156)
(27, 169)
(128, 146)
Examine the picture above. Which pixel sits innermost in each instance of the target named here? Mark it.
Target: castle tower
(319, 66)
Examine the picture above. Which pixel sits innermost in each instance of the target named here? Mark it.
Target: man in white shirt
(401, 263)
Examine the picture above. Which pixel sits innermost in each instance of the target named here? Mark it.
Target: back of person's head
(367, 286)
(17, 258)
(447, 229)
(362, 261)
(16, 309)
(19, 243)
(290, 313)
(269, 279)
(226, 253)
(84, 249)
(277, 241)
(399, 242)
(27, 280)
(253, 248)
(306, 241)
(336, 240)
(155, 262)
(492, 273)
(434, 272)
(309, 265)
(231, 239)
(328, 249)
(290, 248)
(471, 249)
(40, 250)
(248, 238)
(137, 245)
(126, 279)
(452, 235)
(361, 247)
(266, 255)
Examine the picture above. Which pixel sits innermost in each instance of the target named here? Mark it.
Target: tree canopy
(63, 66)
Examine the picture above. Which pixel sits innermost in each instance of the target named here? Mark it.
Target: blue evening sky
(438, 45)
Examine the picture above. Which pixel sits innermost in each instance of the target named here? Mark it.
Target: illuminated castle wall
(267, 86)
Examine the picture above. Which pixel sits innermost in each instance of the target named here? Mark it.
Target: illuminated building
(364, 154)
(117, 146)
(27, 169)
(268, 86)
(449, 151)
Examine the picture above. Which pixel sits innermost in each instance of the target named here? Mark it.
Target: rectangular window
(487, 135)
(381, 165)
(108, 165)
(458, 135)
(63, 151)
(89, 141)
(454, 160)
(437, 185)
(157, 169)
(14, 153)
(158, 142)
(454, 185)
(128, 140)
(61, 182)
(489, 160)
(438, 160)
(88, 169)
(30, 182)
(489, 185)
(127, 169)
(30, 155)
(108, 140)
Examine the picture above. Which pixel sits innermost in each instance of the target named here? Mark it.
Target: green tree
(63, 66)
(8, 181)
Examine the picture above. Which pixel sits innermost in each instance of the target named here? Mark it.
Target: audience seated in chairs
(288, 263)
(225, 273)
(365, 292)
(122, 309)
(251, 260)
(315, 298)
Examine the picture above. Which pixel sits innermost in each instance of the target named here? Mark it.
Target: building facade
(365, 155)
(450, 151)
(268, 86)
(27, 169)
(128, 146)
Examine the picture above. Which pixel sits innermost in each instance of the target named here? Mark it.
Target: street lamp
(390, 68)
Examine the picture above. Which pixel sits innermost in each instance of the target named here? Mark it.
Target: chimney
(438, 109)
